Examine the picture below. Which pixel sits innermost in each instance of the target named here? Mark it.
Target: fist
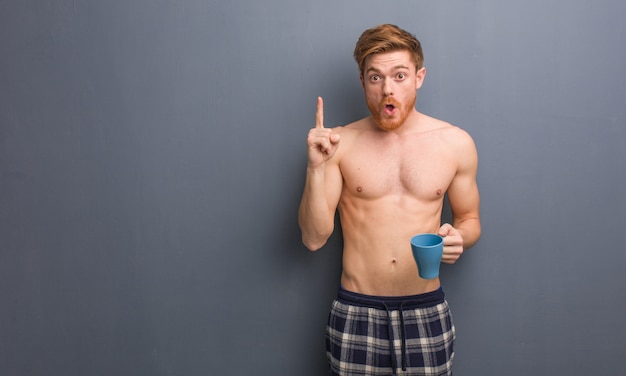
(452, 243)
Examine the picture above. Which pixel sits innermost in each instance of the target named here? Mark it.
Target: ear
(362, 81)
(419, 77)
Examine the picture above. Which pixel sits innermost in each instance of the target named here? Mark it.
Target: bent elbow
(316, 241)
(313, 245)
(316, 238)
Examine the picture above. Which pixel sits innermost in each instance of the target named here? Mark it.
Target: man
(387, 175)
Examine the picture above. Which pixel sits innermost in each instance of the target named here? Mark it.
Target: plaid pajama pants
(370, 335)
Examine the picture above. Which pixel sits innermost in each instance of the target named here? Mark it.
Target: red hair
(387, 38)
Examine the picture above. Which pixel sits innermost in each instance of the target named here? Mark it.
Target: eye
(375, 78)
(401, 76)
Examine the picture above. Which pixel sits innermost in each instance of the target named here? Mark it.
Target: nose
(388, 88)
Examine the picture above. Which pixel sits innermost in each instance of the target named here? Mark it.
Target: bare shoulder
(350, 131)
(451, 134)
(452, 140)
(347, 133)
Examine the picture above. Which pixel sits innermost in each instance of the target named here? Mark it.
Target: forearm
(314, 215)
(470, 230)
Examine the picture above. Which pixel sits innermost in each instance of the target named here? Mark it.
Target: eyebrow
(372, 69)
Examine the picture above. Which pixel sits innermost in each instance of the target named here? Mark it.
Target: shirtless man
(387, 175)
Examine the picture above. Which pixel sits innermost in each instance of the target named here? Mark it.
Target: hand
(452, 243)
(322, 141)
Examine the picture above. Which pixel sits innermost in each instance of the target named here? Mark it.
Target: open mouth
(389, 108)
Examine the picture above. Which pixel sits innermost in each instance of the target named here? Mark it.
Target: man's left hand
(452, 243)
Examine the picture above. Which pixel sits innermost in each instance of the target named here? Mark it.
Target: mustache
(389, 101)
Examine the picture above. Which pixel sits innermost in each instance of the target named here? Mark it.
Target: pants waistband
(393, 303)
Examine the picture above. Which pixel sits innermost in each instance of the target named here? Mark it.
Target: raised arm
(316, 215)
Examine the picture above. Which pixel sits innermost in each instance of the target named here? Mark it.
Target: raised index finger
(319, 115)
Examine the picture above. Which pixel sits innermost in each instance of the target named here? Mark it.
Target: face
(390, 83)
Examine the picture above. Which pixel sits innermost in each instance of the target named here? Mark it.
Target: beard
(391, 122)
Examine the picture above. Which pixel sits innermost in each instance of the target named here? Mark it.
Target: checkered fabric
(360, 328)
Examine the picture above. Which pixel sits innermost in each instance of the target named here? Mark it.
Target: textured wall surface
(152, 158)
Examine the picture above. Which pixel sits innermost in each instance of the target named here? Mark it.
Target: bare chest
(420, 170)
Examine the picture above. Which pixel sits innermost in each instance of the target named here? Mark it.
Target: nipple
(438, 192)
(359, 189)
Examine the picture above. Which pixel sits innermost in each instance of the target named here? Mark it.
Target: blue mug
(427, 251)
